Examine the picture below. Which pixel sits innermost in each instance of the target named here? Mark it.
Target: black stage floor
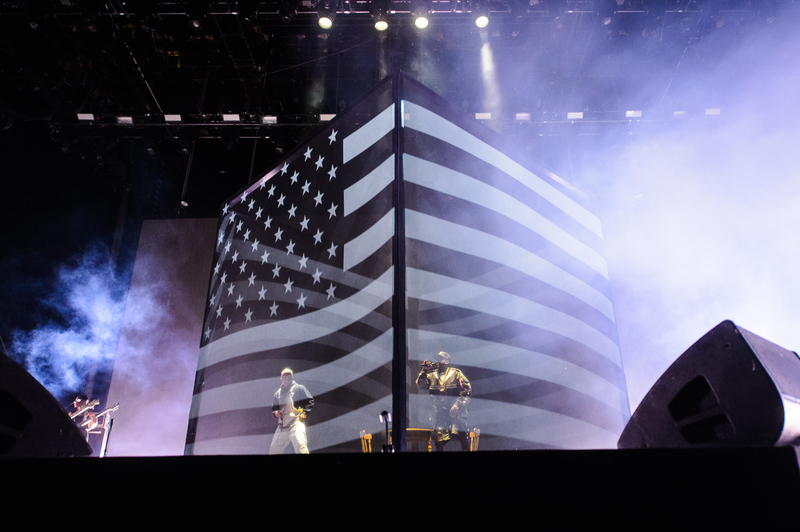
(655, 489)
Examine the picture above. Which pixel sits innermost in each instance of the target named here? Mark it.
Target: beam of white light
(61, 356)
(489, 75)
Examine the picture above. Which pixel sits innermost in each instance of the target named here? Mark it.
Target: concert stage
(642, 489)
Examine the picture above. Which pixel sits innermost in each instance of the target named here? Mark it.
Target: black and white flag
(503, 269)
(505, 272)
(303, 277)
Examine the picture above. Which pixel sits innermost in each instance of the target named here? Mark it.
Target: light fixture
(85, 116)
(124, 120)
(380, 10)
(481, 13)
(231, 118)
(287, 9)
(381, 24)
(326, 11)
(197, 14)
(172, 118)
(420, 12)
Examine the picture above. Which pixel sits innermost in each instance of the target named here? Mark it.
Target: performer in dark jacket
(290, 404)
(450, 390)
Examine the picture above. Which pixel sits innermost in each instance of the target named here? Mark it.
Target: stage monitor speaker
(731, 388)
(32, 423)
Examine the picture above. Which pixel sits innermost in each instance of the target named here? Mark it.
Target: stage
(634, 489)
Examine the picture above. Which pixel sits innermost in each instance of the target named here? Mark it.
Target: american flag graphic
(505, 272)
(303, 277)
(503, 269)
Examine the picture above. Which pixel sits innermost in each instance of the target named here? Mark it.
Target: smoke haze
(157, 357)
(701, 221)
(88, 304)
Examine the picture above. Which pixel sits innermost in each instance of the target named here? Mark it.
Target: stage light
(379, 9)
(420, 11)
(197, 14)
(172, 118)
(287, 10)
(633, 114)
(85, 116)
(269, 119)
(124, 120)
(326, 11)
(575, 116)
(481, 13)
(325, 117)
(231, 118)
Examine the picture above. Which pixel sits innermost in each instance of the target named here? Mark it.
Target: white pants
(296, 435)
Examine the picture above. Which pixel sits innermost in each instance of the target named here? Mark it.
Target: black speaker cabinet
(731, 388)
(32, 423)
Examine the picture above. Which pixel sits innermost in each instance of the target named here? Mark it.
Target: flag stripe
(333, 405)
(448, 291)
(434, 125)
(533, 426)
(369, 134)
(477, 217)
(511, 359)
(428, 257)
(424, 147)
(441, 179)
(370, 241)
(267, 364)
(357, 195)
(471, 324)
(324, 378)
(538, 393)
(426, 228)
(300, 328)
(321, 436)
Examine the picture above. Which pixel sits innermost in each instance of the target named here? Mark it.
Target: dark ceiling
(144, 60)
